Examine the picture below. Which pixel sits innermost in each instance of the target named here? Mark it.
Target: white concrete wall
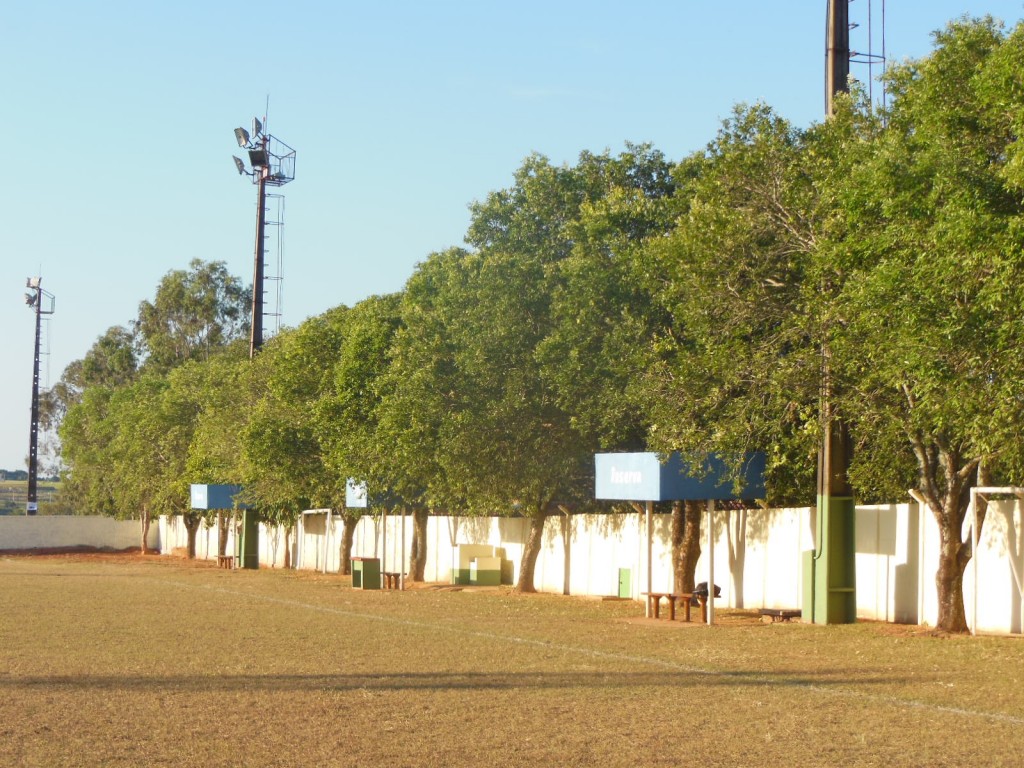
(48, 531)
(758, 553)
(758, 556)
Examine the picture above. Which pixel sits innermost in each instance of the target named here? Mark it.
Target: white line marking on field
(609, 655)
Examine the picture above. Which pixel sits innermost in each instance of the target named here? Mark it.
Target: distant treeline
(21, 474)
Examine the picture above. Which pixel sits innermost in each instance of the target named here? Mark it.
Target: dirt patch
(106, 553)
(82, 554)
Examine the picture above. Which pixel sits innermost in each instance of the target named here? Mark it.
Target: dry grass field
(135, 661)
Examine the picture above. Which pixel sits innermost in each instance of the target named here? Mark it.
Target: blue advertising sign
(215, 496)
(643, 477)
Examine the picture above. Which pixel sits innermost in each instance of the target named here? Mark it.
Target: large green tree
(734, 364)
(111, 362)
(603, 315)
(532, 407)
(284, 464)
(736, 368)
(126, 419)
(931, 339)
(348, 420)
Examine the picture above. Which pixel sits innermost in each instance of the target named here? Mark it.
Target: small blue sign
(215, 496)
(643, 477)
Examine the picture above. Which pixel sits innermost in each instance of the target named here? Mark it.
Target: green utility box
(830, 572)
(365, 573)
(625, 583)
(247, 543)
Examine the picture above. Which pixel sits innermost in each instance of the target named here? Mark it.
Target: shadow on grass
(437, 681)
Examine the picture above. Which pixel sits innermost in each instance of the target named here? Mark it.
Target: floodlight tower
(35, 298)
(273, 164)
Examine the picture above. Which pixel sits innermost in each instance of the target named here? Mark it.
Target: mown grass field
(127, 661)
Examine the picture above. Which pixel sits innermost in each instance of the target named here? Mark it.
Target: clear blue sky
(117, 127)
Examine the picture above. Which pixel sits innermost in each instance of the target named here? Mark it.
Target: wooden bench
(683, 598)
(781, 614)
(392, 580)
(225, 561)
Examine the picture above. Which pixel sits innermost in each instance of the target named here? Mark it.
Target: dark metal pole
(256, 339)
(32, 505)
(837, 68)
(833, 599)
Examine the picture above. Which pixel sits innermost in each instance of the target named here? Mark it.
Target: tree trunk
(949, 581)
(288, 546)
(145, 529)
(223, 527)
(192, 527)
(418, 554)
(944, 482)
(531, 551)
(685, 544)
(955, 553)
(348, 532)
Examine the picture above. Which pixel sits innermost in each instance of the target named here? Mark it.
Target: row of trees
(626, 303)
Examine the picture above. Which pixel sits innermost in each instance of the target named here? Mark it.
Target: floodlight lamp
(30, 299)
(257, 127)
(242, 135)
(239, 164)
(258, 158)
(32, 282)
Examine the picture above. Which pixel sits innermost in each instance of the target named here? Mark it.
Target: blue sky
(118, 120)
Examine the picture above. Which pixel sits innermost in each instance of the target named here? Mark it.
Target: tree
(507, 440)
(737, 367)
(603, 315)
(111, 362)
(931, 340)
(418, 387)
(283, 463)
(193, 313)
(143, 454)
(86, 432)
(126, 449)
(732, 358)
(348, 414)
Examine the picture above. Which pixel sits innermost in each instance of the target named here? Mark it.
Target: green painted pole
(834, 562)
(830, 595)
(249, 540)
